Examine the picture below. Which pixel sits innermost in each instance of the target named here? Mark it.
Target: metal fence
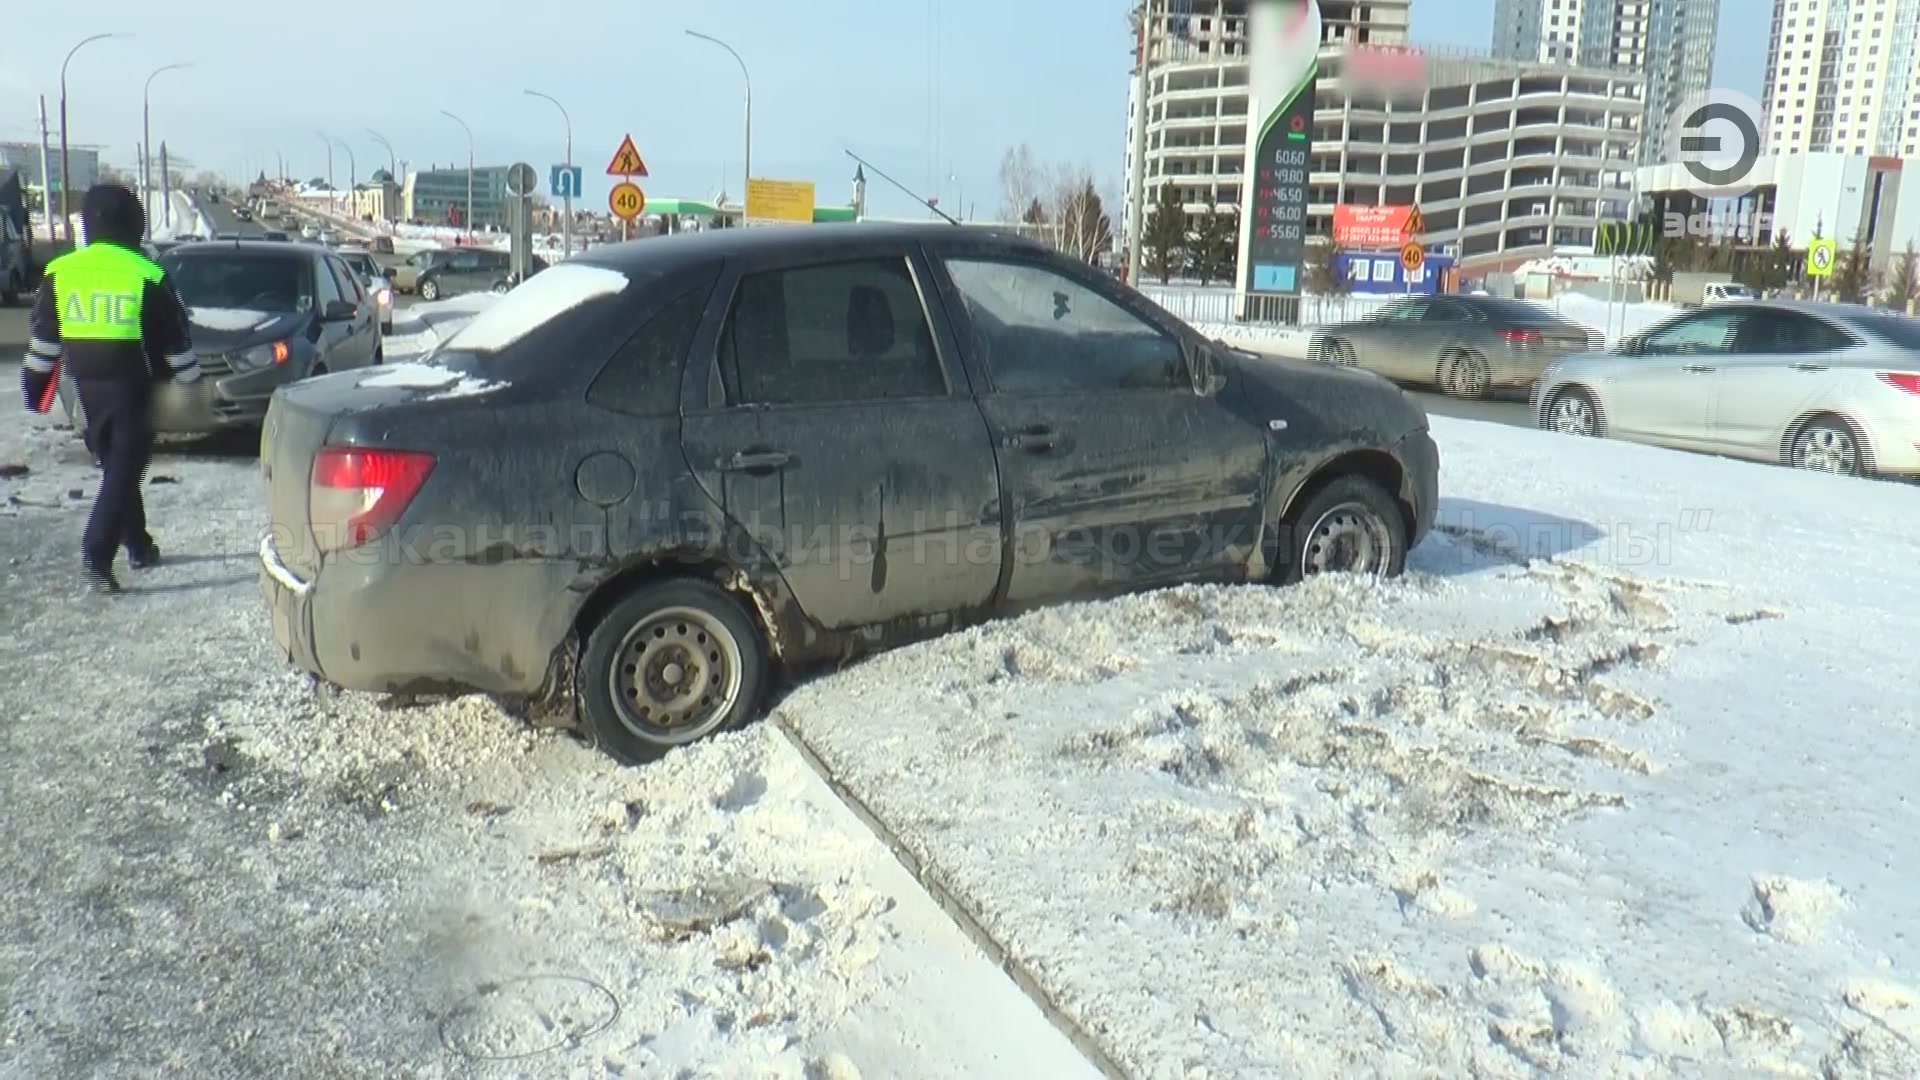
(1214, 304)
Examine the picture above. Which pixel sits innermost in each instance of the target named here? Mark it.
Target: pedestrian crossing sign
(1821, 255)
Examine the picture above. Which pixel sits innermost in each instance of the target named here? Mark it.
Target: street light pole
(466, 218)
(353, 181)
(328, 139)
(146, 142)
(393, 172)
(66, 165)
(566, 224)
(747, 157)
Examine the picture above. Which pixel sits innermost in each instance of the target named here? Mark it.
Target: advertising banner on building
(1373, 227)
(1282, 57)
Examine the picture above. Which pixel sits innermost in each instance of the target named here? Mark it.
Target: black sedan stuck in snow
(650, 480)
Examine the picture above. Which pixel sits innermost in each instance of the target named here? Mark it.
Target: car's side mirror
(340, 311)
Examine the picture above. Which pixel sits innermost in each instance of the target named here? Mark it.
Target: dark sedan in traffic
(1467, 346)
(263, 315)
(652, 479)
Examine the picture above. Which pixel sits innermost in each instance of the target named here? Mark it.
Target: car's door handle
(1696, 368)
(1034, 440)
(1809, 367)
(758, 462)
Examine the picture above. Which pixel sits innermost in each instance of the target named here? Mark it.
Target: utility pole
(1137, 173)
(46, 188)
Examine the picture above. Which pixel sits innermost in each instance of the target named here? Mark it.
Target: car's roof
(279, 248)
(682, 249)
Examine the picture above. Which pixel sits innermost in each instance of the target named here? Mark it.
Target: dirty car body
(1468, 346)
(860, 435)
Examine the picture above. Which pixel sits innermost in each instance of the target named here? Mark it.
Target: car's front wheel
(1350, 526)
(428, 289)
(672, 663)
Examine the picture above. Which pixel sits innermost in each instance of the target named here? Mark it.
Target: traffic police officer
(110, 316)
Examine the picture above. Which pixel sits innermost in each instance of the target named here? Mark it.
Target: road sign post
(1822, 254)
(626, 200)
(564, 183)
(626, 161)
(1412, 258)
(521, 180)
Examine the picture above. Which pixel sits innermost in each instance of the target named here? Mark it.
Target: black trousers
(120, 432)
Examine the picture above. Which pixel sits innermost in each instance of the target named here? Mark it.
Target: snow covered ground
(1617, 781)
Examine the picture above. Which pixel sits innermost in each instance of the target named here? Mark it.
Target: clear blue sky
(828, 75)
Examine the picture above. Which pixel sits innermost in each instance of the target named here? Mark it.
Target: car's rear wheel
(1826, 444)
(502, 287)
(669, 665)
(428, 289)
(1350, 526)
(1572, 411)
(1465, 374)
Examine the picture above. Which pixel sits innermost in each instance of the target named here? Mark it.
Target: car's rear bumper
(398, 620)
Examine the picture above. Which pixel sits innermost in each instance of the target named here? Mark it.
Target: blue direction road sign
(566, 181)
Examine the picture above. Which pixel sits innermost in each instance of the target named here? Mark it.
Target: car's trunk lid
(308, 415)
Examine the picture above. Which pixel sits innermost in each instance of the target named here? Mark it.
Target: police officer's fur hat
(113, 214)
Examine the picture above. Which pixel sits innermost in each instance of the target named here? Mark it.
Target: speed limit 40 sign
(1821, 255)
(626, 200)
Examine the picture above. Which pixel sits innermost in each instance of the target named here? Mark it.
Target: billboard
(1374, 226)
(1282, 57)
(780, 200)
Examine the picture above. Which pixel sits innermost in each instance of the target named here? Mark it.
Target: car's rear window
(1902, 330)
(1518, 312)
(535, 303)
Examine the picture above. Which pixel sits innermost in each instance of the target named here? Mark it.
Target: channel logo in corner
(1715, 137)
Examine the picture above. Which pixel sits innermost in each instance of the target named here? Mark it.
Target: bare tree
(1021, 182)
(1086, 229)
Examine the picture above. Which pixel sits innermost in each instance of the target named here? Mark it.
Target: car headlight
(261, 356)
(384, 297)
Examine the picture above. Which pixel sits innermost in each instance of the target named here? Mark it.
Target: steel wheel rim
(1348, 539)
(1572, 414)
(1470, 376)
(676, 676)
(1826, 449)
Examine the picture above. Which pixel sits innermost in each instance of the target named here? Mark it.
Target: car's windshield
(1902, 330)
(239, 280)
(360, 264)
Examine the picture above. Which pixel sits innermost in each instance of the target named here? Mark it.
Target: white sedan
(1830, 387)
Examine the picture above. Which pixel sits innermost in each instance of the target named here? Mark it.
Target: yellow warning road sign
(626, 160)
(1415, 223)
(627, 201)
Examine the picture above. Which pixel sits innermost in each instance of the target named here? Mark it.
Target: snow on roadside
(414, 888)
(1611, 785)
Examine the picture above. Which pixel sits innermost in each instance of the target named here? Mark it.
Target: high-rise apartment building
(1506, 159)
(1843, 76)
(1669, 42)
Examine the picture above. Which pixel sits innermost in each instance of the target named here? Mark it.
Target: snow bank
(1612, 784)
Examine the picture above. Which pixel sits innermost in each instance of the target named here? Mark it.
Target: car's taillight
(1521, 337)
(1900, 380)
(358, 493)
